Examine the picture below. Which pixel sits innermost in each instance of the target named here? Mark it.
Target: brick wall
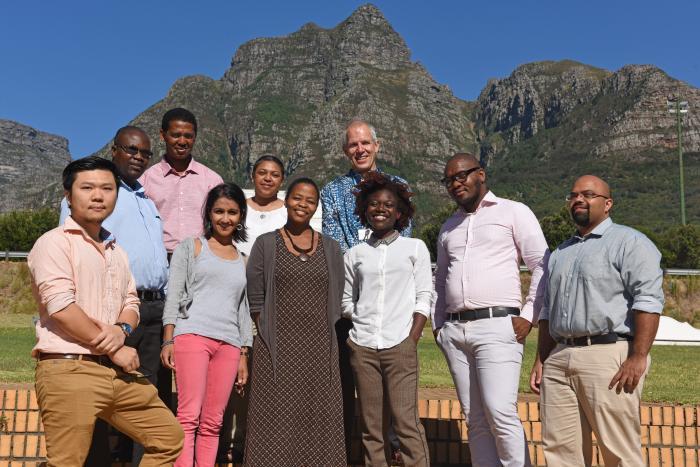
(670, 434)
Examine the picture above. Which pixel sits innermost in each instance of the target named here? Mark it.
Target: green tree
(680, 247)
(20, 229)
(431, 229)
(557, 227)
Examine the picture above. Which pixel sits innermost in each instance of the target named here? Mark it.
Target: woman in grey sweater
(208, 328)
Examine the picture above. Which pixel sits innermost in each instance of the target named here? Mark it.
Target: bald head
(465, 157)
(595, 184)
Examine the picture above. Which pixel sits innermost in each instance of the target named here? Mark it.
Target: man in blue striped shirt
(597, 324)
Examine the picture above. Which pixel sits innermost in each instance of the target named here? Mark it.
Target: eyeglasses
(133, 150)
(461, 177)
(586, 194)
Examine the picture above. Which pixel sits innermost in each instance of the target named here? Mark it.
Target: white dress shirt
(384, 286)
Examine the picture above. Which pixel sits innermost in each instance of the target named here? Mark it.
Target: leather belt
(150, 295)
(585, 341)
(483, 313)
(99, 359)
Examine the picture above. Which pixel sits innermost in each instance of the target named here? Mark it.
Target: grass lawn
(674, 377)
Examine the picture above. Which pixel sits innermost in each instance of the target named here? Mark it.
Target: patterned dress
(297, 418)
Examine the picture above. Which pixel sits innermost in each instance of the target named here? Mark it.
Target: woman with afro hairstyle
(388, 287)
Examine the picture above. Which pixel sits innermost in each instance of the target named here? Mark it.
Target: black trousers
(146, 339)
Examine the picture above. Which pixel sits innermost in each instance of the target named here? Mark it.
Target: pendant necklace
(303, 253)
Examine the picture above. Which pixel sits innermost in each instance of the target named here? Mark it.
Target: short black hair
(269, 158)
(234, 193)
(86, 164)
(375, 181)
(126, 129)
(302, 181)
(178, 114)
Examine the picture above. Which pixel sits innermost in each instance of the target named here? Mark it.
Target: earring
(239, 227)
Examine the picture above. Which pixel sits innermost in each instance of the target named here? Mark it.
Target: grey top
(207, 296)
(262, 295)
(596, 282)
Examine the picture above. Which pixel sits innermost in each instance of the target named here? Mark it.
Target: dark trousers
(146, 339)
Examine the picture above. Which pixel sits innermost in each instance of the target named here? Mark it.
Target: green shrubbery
(20, 229)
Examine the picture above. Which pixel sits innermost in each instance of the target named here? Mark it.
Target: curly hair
(374, 181)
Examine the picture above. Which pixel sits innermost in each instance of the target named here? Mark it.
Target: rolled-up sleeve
(132, 302)
(642, 274)
(52, 272)
(423, 279)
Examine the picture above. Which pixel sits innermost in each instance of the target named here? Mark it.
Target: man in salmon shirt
(87, 307)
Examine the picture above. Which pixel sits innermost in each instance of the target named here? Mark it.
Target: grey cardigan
(179, 297)
(262, 295)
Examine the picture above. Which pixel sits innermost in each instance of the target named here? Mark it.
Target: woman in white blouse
(265, 211)
(388, 286)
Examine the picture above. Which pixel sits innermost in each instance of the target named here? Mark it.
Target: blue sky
(83, 68)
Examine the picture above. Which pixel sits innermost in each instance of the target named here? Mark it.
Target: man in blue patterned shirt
(340, 222)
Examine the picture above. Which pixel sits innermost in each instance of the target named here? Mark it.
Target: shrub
(20, 229)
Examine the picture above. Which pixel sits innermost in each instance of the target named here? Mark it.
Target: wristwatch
(126, 328)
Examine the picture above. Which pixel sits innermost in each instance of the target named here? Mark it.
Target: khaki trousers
(391, 375)
(72, 394)
(576, 401)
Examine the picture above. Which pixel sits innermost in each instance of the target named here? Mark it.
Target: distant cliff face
(536, 130)
(31, 162)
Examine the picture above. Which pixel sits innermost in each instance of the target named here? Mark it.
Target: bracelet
(166, 343)
(244, 351)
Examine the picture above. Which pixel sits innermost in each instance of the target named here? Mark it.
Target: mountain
(549, 122)
(535, 130)
(292, 96)
(31, 162)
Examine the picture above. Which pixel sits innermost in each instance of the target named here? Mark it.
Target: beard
(581, 218)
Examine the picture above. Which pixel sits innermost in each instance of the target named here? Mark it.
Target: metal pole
(680, 161)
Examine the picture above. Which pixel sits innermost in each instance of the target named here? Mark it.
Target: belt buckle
(490, 312)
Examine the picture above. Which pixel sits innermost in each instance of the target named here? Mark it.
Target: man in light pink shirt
(479, 319)
(87, 307)
(178, 185)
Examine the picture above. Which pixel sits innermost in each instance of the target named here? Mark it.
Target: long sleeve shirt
(478, 259)
(339, 220)
(384, 286)
(596, 282)
(179, 198)
(67, 267)
(137, 227)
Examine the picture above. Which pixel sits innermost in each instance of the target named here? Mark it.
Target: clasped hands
(110, 341)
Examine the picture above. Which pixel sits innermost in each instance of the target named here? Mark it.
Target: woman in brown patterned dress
(295, 283)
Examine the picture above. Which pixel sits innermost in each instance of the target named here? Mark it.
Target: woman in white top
(265, 211)
(388, 287)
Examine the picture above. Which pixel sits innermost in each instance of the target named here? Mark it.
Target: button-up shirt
(137, 227)
(179, 198)
(478, 259)
(339, 220)
(384, 286)
(596, 281)
(67, 266)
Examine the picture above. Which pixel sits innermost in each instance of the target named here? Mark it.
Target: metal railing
(7, 255)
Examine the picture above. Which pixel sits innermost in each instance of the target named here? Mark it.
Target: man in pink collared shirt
(479, 319)
(87, 307)
(178, 185)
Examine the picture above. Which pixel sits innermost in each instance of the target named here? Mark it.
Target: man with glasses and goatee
(479, 319)
(600, 316)
(137, 228)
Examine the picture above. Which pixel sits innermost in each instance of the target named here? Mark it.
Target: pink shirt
(67, 266)
(478, 259)
(179, 198)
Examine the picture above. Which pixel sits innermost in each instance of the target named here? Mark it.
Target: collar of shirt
(167, 169)
(488, 199)
(598, 231)
(137, 189)
(388, 240)
(356, 176)
(106, 236)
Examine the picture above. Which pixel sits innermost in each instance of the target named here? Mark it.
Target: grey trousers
(391, 375)
(484, 359)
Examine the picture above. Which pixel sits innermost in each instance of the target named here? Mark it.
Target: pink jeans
(205, 372)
